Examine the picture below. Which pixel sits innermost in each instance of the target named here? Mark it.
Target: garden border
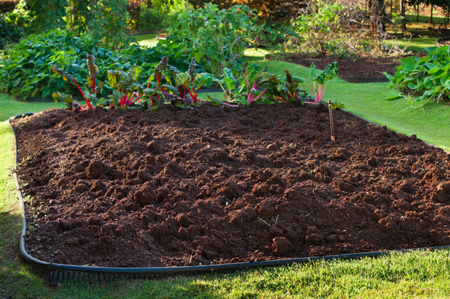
(363, 79)
(54, 274)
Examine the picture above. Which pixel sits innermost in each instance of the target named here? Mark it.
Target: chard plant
(254, 86)
(256, 81)
(321, 81)
(288, 88)
(229, 84)
(187, 84)
(155, 87)
(126, 89)
(91, 89)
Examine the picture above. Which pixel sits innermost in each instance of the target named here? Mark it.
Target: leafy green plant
(188, 83)
(89, 96)
(318, 29)
(288, 88)
(229, 85)
(321, 81)
(109, 23)
(26, 68)
(157, 92)
(126, 89)
(423, 79)
(256, 82)
(47, 14)
(216, 38)
(253, 85)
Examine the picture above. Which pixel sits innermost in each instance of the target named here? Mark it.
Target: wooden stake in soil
(330, 110)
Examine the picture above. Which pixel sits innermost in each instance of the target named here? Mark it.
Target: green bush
(216, 38)
(26, 68)
(9, 31)
(337, 30)
(423, 79)
(152, 20)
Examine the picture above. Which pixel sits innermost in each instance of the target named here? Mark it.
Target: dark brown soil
(363, 67)
(220, 185)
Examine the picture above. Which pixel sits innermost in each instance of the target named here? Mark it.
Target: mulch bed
(216, 185)
(362, 67)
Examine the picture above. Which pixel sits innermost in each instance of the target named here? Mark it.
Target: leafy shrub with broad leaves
(26, 68)
(423, 79)
(217, 38)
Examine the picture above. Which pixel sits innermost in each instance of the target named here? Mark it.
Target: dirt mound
(215, 185)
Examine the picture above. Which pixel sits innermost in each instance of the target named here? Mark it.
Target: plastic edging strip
(56, 273)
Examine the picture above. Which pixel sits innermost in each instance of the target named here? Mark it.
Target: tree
(47, 14)
(104, 19)
(273, 9)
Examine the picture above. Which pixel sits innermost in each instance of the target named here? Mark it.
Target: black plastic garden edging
(56, 273)
(363, 79)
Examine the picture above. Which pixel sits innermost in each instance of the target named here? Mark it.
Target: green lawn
(411, 275)
(412, 18)
(146, 39)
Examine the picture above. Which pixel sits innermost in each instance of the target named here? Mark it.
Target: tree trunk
(431, 17)
(402, 14)
(418, 12)
(392, 1)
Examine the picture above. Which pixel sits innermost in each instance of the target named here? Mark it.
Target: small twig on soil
(264, 221)
(276, 220)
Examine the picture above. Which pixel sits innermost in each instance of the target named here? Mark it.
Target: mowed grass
(412, 275)
(148, 40)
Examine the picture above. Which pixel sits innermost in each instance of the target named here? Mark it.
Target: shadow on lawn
(14, 278)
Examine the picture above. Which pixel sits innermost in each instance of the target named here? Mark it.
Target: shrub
(110, 23)
(9, 31)
(217, 38)
(424, 79)
(153, 20)
(333, 29)
(26, 68)
(275, 10)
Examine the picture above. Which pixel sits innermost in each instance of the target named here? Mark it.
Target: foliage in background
(26, 68)
(152, 20)
(319, 29)
(333, 29)
(7, 5)
(106, 20)
(275, 10)
(109, 22)
(217, 38)
(9, 31)
(78, 16)
(20, 16)
(425, 79)
(47, 14)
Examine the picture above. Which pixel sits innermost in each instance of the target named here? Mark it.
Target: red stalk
(82, 93)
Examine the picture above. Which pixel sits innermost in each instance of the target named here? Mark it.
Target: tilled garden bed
(215, 185)
(361, 67)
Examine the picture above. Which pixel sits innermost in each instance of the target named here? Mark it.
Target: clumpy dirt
(361, 67)
(216, 185)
